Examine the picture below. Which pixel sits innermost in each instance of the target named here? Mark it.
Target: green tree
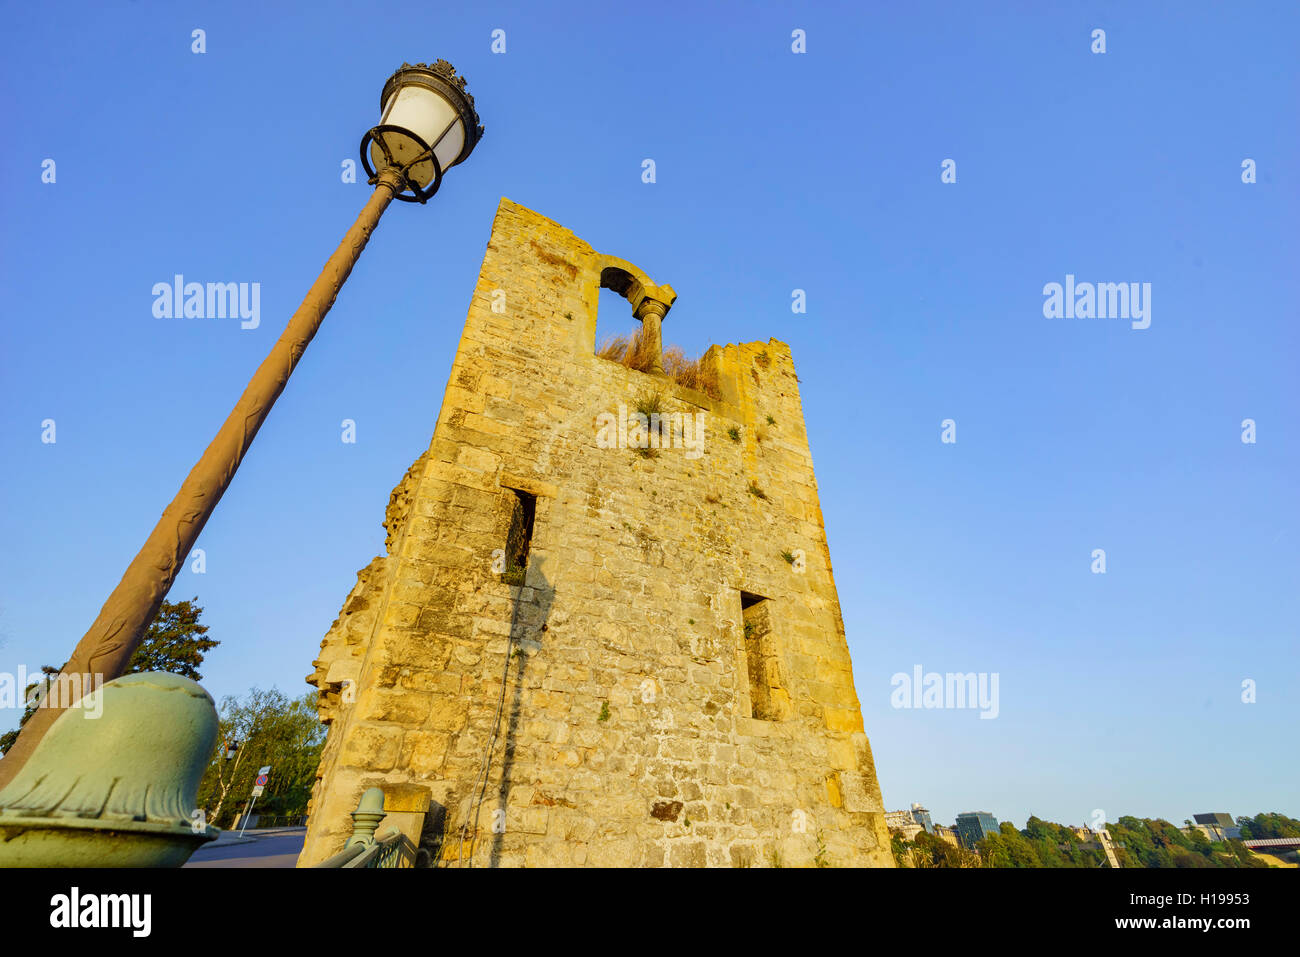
(29, 708)
(1138, 842)
(1168, 836)
(1019, 848)
(1137, 845)
(1242, 855)
(902, 850)
(1075, 854)
(175, 642)
(943, 854)
(993, 851)
(1045, 839)
(1263, 826)
(271, 729)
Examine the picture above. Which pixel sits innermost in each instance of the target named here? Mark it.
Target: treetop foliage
(1138, 842)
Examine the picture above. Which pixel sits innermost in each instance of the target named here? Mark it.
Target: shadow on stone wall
(433, 835)
(520, 631)
(528, 624)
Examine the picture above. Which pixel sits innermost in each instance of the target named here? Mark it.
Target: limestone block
(372, 746)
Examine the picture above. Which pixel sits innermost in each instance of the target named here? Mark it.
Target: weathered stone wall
(623, 732)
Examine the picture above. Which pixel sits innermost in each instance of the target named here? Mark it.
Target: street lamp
(427, 125)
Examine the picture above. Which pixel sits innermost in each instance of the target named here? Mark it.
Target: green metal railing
(394, 849)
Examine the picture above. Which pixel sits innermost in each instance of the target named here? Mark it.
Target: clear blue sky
(775, 171)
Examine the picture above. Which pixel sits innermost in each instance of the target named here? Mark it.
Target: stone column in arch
(651, 312)
(650, 302)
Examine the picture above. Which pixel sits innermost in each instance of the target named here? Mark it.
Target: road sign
(258, 787)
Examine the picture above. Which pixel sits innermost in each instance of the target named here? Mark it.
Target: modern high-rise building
(972, 826)
(1217, 827)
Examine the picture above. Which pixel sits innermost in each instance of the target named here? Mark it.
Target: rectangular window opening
(520, 536)
(768, 698)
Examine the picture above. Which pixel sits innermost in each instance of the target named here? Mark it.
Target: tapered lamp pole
(428, 125)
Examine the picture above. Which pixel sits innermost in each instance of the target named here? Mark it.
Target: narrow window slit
(769, 700)
(520, 536)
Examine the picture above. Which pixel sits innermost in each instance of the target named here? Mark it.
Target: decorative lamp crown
(426, 126)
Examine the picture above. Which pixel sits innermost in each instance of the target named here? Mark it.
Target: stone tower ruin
(579, 652)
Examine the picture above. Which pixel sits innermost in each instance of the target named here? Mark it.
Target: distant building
(904, 824)
(897, 819)
(1216, 827)
(907, 831)
(910, 823)
(973, 826)
(947, 834)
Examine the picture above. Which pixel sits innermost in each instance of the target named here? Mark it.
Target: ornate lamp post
(428, 125)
